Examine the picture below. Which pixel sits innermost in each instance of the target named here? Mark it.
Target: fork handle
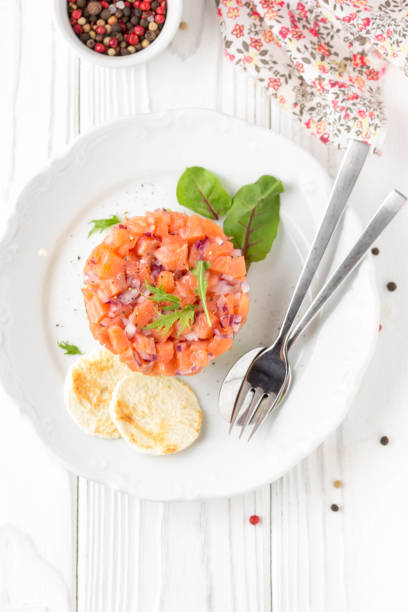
(387, 211)
(350, 169)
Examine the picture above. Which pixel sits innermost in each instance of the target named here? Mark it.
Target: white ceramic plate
(133, 165)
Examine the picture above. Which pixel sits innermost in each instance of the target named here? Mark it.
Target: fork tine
(252, 408)
(239, 401)
(261, 415)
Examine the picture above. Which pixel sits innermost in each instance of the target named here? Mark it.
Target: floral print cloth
(321, 59)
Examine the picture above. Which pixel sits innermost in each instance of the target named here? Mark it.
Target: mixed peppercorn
(117, 27)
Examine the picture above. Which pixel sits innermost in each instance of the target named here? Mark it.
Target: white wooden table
(70, 544)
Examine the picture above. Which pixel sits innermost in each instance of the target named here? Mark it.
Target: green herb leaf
(102, 224)
(70, 349)
(199, 273)
(185, 317)
(160, 295)
(199, 190)
(253, 219)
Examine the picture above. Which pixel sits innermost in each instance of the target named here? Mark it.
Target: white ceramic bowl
(168, 32)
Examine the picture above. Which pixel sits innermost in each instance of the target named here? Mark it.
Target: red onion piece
(191, 337)
(129, 296)
(187, 372)
(155, 269)
(133, 282)
(130, 330)
(245, 287)
(219, 240)
(236, 253)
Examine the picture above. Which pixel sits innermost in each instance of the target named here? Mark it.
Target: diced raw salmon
(166, 280)
(143, 314)
(237, 267)
(96, 309)
(173, 253)
(165, 351)
(219, 345)
(128, 258)
(120, 240)
(201, 327)
(145, 346)
(118, 338)
(243, 306)
(112, 286)
(186, 289)
(146, 245)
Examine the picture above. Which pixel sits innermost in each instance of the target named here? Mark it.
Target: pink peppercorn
(77, 14)
(101, 30)
(78, 29)
(145, 6)
(161, 10)
(133, 39)
(160, 19)
(113, 42)
(254, 519)
(139, 30)
(100, 48)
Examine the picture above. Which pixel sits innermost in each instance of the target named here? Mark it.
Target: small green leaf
(199, 273)
(159, 296)
(102, 224)
(184, 316)
(70, 349)
(199, 190)
(253, 219)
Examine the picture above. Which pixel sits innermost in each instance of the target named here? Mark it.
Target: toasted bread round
(89, 386)
(157, 415)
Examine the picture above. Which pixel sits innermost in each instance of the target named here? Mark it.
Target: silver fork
(350, 169)
(387, 211)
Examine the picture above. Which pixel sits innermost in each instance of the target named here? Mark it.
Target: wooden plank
(38, 513)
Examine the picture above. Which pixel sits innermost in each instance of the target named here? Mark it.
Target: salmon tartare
(145, 273)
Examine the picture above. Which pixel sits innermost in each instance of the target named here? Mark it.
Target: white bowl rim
(171, 25)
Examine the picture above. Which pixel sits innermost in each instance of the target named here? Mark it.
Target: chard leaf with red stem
(253, 219)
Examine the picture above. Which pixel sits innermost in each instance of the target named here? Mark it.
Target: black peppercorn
(105, 14)
(81, 4)
(85, 37)
(391, 286)
(124, 52)
(154, 4)
(375, 251)
(90, 43)
(150, 36)
(144, 23)
(384, 440)
(334, 508)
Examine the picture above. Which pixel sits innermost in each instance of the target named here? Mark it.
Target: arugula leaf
(160, 295)
(199, 190)
(253, 218)
(102, 224)
(70, 349)
(185, 316)
(199, 273)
